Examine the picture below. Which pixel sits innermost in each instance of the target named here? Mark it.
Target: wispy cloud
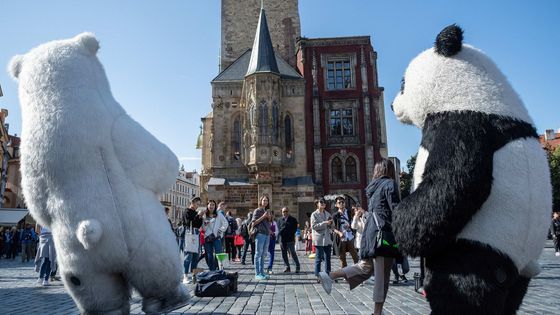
(190, 158)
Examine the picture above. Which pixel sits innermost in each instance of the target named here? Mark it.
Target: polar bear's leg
(469, 278)
(157, 277)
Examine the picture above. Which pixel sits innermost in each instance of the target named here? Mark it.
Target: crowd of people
(207, 231)
(32, 243)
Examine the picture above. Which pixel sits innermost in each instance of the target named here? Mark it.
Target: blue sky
(161, 55)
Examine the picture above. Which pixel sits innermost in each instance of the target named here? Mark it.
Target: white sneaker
(46, 283)
(39, 280)
(187, 279)
(371, 280)
(557, 254)
(326, 281)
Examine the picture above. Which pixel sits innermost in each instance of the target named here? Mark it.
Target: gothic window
(275, 123)
(341, 122)
(336, 169)
(351, 170)
(263, 122)
(339, 74)
(288, 136)
(236, 138)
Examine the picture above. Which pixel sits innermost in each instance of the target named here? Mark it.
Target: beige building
(254, 138)
(177, 199)
(4, 154)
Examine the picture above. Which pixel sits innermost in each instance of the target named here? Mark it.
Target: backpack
(245, 230)
(232, 226)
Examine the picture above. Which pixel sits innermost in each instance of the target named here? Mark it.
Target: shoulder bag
(385, 243)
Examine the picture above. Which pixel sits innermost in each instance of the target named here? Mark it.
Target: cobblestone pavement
(282, 294)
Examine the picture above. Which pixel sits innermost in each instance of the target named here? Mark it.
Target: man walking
(344, 236)
(287, 227)
(28, 238)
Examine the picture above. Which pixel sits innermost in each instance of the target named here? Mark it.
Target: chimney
(549, 134)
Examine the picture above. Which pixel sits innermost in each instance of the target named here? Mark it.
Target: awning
(11, 216)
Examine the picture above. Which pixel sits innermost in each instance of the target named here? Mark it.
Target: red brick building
(550, 139)
(345, 118)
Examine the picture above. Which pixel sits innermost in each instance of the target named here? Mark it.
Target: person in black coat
(344, 236)
(287, 227)
(383, 197)
(555, 231)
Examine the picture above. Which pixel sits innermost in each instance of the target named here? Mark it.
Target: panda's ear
(449, 41)
(89, 41)
(14, 68)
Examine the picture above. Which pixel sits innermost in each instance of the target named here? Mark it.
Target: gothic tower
(239, 21)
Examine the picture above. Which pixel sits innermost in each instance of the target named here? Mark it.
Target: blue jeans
(213, 248)
(190, 262)
(45, 269)
(271, 246)
(261, 246)
(322, 251)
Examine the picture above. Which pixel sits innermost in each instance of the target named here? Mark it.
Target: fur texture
(93, 175)
(483, 193)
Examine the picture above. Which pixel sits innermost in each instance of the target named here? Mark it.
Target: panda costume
(482, 195)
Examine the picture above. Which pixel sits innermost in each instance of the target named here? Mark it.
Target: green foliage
(554, 163)
(406, 177)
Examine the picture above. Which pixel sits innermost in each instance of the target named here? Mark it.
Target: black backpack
(245, 230)
(232, 226)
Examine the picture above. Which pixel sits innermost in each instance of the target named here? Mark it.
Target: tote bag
(191, 241)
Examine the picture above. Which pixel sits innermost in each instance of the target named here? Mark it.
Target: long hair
(384, 168)
(215, 207)
(260, 202)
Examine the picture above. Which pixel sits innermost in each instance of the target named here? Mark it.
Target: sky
(160, 56)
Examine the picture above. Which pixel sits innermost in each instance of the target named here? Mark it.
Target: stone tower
(239, 21)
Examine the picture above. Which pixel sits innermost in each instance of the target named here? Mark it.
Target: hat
(195, 199)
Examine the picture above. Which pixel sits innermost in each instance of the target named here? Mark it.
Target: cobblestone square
(284, 293)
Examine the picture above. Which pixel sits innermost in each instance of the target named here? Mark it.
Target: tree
(407, 177)
(554, 164)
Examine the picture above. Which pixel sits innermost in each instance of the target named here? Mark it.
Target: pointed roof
(262, 54)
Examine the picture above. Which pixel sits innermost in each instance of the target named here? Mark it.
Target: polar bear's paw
(166, 304)
(89, 232)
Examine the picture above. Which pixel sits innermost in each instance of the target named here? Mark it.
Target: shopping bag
(191, 242)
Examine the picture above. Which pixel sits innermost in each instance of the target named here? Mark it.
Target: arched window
(288, 136)
(336, 169)
(351, 170)
(275, 123)
(263, 122)
(236, 138)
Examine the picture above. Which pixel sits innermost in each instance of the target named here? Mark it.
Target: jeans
(248, 242)
(181, 244)
(271, 247)
(261, 246)
(45, 271)
(212, 248)
(323, 251)
(285, 247)
(190, 262)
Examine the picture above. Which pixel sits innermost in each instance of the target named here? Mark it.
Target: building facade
(177, 199)
(13, 195)
(550, 139)
(292, 118)
(4, 154)
(345, 124)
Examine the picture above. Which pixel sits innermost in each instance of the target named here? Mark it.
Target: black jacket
(287, 229)
(190, 216)
(383, 197)
(555, 227)
(337, 224)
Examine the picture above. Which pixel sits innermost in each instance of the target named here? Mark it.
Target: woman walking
(322, 226)
(261, 224)
(46, 256)
(383, 197)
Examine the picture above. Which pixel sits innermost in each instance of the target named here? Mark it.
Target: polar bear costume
(483, 196)
(93, 175)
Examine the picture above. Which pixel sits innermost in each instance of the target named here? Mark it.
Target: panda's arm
(456, 182)
(146, 161)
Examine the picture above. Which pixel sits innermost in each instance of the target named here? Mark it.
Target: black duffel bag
(209, 276)
(232, 277)
(213, 289)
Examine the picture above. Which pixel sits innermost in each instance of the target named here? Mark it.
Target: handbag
(385, 243)
(191, 241)
(252, 231)
(238, 240)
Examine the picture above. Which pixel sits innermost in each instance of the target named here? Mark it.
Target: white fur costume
(93, 175)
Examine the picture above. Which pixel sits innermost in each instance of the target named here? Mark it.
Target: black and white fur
(483, 196)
